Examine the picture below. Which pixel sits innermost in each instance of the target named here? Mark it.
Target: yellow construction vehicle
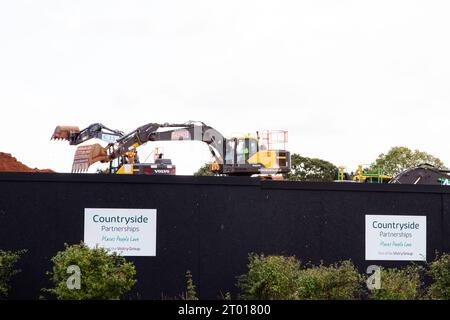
(246, 155)
(363, 175)
(366, 176)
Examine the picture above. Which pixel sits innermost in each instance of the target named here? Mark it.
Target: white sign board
(128, 232)
(396, 238)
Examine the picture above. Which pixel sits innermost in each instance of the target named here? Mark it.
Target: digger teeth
(80, 167)
(85, 156)
(64, 132)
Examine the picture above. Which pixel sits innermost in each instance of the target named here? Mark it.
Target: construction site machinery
(127, 164)
(370, 176)
(363, 175)
(423, 174)
(94, 131)
(159, 166)
(244, 155)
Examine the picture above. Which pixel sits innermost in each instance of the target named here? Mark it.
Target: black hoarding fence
(207, 225)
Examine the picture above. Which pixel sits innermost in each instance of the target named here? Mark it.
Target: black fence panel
(207, 225)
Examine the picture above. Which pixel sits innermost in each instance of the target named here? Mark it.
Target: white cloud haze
(347, 79)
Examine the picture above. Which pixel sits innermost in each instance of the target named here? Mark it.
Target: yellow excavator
(244, 156)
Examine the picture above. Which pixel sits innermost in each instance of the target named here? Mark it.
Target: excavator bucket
(64, 132)
(85, 156)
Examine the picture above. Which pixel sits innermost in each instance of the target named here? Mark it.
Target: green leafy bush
(339, 281)
(191, 291)
(439, 270)
(103, 275)
(7, 261)
(270, 278)
(398, 284)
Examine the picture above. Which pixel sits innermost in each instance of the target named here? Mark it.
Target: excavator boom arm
(120, 144)
(94, 131)
(186, 131)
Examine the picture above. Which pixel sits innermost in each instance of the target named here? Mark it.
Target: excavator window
(253, 147)
(246, 147)
(230, 151)
(114, 165)
(241, 151)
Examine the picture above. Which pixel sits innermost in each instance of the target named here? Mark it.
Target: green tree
(103, 171)
(439, 270)
(8, 259)
(398, 284)
(270, 278)
(191, 290)
(399, 159)
(311, 169)
(205, 170)
(339, 281)
(283, 278)
(102, 275)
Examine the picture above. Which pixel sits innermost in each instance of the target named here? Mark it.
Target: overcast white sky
(347, 79)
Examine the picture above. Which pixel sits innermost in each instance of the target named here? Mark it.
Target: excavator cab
(247, 155)
(116, 166)
(240, 150)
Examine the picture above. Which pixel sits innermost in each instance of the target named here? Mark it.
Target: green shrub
(103, 275)
(398, 284)
(7, 261)
(270, 278)
(191, 292)
(439, 270)
(339, 281)
(227, 296)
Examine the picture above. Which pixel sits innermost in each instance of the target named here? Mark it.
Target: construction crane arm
(94, 131)
(121, 144)
(196, 131)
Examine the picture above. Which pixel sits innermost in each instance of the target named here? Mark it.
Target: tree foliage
(8, 259)
(103, 275)
(399, 159)
(282, 278)
(103, 171)
(270, 278)
(398, 284)
(204, 170)
(191, 289)
(311, 169)
(338, 281)
(439, 270)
